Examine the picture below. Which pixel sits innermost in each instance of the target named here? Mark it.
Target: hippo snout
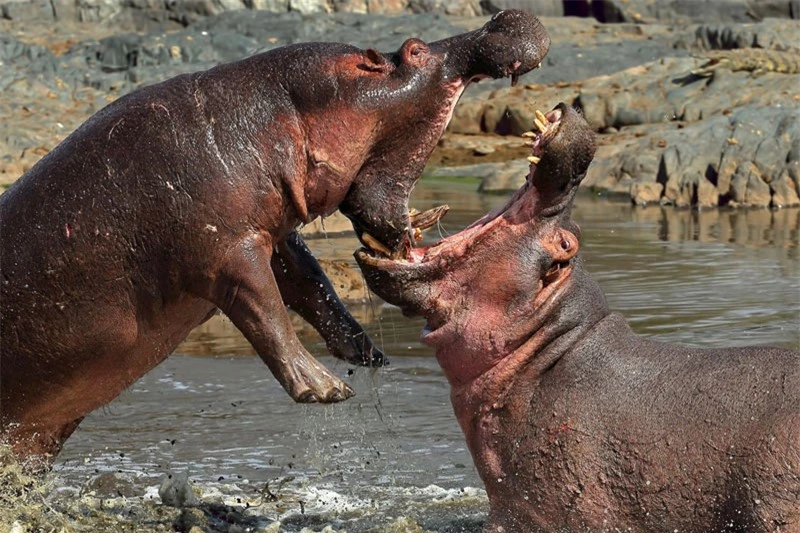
(509, 45)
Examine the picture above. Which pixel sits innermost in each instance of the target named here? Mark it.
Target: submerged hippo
(573, 421)
(184, 197)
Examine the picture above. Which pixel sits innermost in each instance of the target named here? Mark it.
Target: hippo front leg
(307, 290)
(246, 291)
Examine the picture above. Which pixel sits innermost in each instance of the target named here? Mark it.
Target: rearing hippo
(184, 197)
(573, 421)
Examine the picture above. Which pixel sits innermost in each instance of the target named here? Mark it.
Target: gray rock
(110, 484)
(778, 34)
(191, 520)
(745, 158)
(96, 10)
(508, 176)
(747, 188)
(687, 11)
(309, 6)
(27, 10)
(495, 177)
(469, 8)
(176, 490)
(784, 191)
(541, 8)
(350, 6)
(644, 192)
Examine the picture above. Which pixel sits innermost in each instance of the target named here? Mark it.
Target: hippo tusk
(375, 244)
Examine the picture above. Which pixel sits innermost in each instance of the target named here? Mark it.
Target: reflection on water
(395, 452)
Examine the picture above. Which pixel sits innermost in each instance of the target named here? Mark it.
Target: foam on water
(130, 502)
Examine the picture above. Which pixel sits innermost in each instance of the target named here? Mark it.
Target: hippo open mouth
(521, 207)
(525, 247)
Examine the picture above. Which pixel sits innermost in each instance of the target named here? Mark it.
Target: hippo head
(379, 117)
(489, 289)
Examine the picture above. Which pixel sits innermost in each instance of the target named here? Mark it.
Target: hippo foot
(338, 393)
(310, 382)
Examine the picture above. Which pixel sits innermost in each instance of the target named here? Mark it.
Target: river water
(393, 458)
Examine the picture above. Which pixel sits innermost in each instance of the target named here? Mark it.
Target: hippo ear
(375, 62)
(414, 52)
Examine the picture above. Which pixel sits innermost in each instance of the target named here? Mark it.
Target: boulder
(784, 191)
(646, 192)
(688, 11)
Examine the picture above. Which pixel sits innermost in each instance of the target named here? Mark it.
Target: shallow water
(393, 458)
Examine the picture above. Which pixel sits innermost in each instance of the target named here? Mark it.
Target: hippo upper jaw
(509, 45)
(484, 290)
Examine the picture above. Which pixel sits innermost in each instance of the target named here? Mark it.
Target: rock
(309, 6)
(747, 187)
(483, 149)
(350, 6)
(541, 8)
(508, 176)
(97, 10)
(509, 111)
(784, 191)
(469, 8)
(643, 193)
(774, 34)
(706, 194)
(495, 177)
(688, 11)
(26, 11)
(698, 163)
(110, 484)
(484, 144)
(191, 520)
(660, 92)
(273, 6)
(386, 7)
(176, 490)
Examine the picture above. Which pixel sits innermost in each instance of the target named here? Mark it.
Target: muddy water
(393, 458)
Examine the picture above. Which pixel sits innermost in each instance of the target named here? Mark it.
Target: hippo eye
(565, 244)
(416, 51)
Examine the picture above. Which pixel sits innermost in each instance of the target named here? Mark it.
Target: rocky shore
(697, 102)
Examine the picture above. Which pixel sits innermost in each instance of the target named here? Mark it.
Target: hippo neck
(481, 404)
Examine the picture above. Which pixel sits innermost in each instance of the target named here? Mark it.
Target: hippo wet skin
(184, 197)
(573, 421)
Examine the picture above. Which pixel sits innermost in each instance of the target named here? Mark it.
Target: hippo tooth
(375, 244)
(530, 143)
(539, 125)
(533, 159)
(429, 218)
(529, 134)
(542, 118)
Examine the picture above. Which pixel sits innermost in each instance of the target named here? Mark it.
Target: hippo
(184, 198)
(574, 422)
